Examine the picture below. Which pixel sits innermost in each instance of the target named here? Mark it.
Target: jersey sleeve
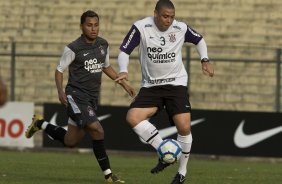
(192, 36)
(123, 60)
(131, 40)
(107, 60)
(202, 49)
(66, 59)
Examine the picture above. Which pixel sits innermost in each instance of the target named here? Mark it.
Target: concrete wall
(234, 29)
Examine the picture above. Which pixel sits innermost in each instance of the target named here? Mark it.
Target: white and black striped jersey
(160, 52)
(85, 62)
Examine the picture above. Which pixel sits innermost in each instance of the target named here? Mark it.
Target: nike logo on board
(169, 131)
(243, 140)
(166, 132)
(54, 117)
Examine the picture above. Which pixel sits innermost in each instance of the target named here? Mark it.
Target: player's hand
(121, 76)
(207, 69)
(130, 90)
(63, 98)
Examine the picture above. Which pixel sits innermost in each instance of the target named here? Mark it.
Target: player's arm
(197, 39)
(112, 74)
(123, 60)
(67, 57)
(131, 40)
(207, 67)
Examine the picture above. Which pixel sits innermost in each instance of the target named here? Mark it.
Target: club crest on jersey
(90, 111)
(172, 37)
(102, 50)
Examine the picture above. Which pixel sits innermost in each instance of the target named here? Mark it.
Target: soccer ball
(169, 151)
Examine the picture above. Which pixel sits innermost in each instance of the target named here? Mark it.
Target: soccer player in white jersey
(164, 78)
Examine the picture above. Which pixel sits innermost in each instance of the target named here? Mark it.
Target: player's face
(164, 18)
(90, 28)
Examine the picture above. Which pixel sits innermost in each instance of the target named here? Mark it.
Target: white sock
(148, 133)
(107, 172)
(44, 125)
(186, 143)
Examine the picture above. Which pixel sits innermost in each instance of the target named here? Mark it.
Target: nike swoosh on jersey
(243, 140)
(166, 132)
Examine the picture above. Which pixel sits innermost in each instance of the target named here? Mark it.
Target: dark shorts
(174, 99)
(81, 108)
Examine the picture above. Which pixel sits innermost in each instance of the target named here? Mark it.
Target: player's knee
(99, 131)
(132, 120)
(129, 119)
(134, 117)
(184, 130)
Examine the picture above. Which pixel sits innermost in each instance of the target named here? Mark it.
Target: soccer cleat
(32, 128)
(178, 179)
(159, 167)
(111, 178)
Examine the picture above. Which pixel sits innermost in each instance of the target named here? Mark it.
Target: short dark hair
(88, 13)
(164, 3)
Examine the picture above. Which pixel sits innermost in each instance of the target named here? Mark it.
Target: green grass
(17, 167)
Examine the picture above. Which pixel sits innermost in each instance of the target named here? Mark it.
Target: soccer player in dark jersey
(86, 58)
(164, 78)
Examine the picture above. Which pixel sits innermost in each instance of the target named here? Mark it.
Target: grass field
(30, 167)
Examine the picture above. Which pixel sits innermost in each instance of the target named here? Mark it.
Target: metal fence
(218, 54)
(267, 56)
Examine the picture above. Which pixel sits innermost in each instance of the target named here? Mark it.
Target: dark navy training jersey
(85, 62)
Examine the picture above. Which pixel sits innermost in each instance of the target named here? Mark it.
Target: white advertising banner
(14, 119)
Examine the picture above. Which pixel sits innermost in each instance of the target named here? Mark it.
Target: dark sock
(56, 132)
(101, 155)
(39, 123)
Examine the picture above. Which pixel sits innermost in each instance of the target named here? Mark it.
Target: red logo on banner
(14, 129)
